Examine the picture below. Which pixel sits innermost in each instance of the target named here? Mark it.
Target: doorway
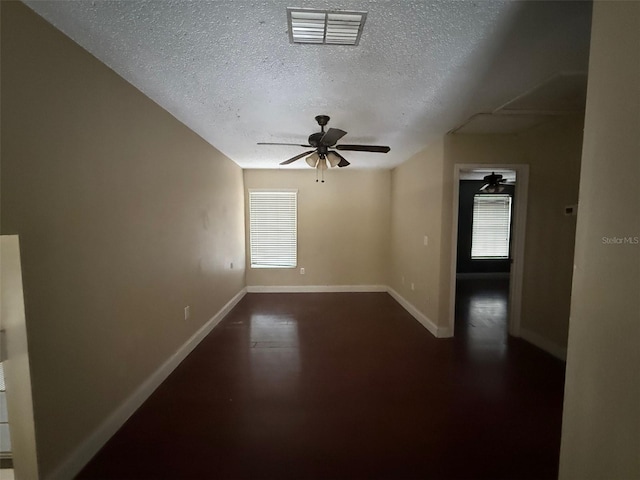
(19, 418)
(488, 274)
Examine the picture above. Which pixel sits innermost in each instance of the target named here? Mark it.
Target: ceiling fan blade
(288, 144)
(343, 161)
(484, 187)
(332, 136)
(297, 157)
(364, 148)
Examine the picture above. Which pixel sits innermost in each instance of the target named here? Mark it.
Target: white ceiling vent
(325, 27)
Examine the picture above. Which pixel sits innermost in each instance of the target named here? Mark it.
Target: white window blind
(273, 229)
(491, 226)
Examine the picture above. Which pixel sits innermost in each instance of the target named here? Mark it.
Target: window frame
(290, 257)
(509, 223)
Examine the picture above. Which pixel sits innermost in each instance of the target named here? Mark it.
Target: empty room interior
(327, 240)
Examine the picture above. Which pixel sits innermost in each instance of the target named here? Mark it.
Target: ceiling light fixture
(333, 159)
(320, 161)
(312, 160)
(324, 27)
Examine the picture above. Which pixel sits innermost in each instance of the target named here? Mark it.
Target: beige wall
(553, 152)
(125, 217)
(416, 211)
(343, 227)
(601, 421)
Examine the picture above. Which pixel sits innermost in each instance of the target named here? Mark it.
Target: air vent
(324, 27)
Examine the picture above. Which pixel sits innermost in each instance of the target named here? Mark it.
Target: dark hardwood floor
(349, 386)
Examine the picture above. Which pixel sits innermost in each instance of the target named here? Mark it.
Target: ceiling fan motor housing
(314, 139)
(493, 178)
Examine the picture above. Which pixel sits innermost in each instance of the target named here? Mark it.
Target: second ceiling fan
(321, 157)
(495, 183)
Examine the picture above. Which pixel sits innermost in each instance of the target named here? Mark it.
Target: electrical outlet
(413, 287)
(301, 270)
(426, 240)
(187, 312)
(571, 210)
(231, 266)
(403, 279)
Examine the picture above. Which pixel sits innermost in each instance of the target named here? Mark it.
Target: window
(491, 229)
(273, 228)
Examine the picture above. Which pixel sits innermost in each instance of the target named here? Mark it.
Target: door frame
(16, 361)
(517, 239)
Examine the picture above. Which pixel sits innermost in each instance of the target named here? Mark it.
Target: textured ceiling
(227, 70)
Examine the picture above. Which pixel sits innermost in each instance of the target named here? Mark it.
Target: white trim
(315, 288)
(426, 322)
(544, 344)
(454, 247)
(72, 465)
(517, 238)
(16, 365)
(519, 234)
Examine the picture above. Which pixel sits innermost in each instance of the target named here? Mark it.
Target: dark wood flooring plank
(348, 385)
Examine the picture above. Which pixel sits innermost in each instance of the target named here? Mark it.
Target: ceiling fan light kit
(334, 159)
(322, 141)
(494, 189)
(312, 160)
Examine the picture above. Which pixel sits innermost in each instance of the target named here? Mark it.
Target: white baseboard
(72, 465)
(544, 344)
(438, 332)
(315, 288)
